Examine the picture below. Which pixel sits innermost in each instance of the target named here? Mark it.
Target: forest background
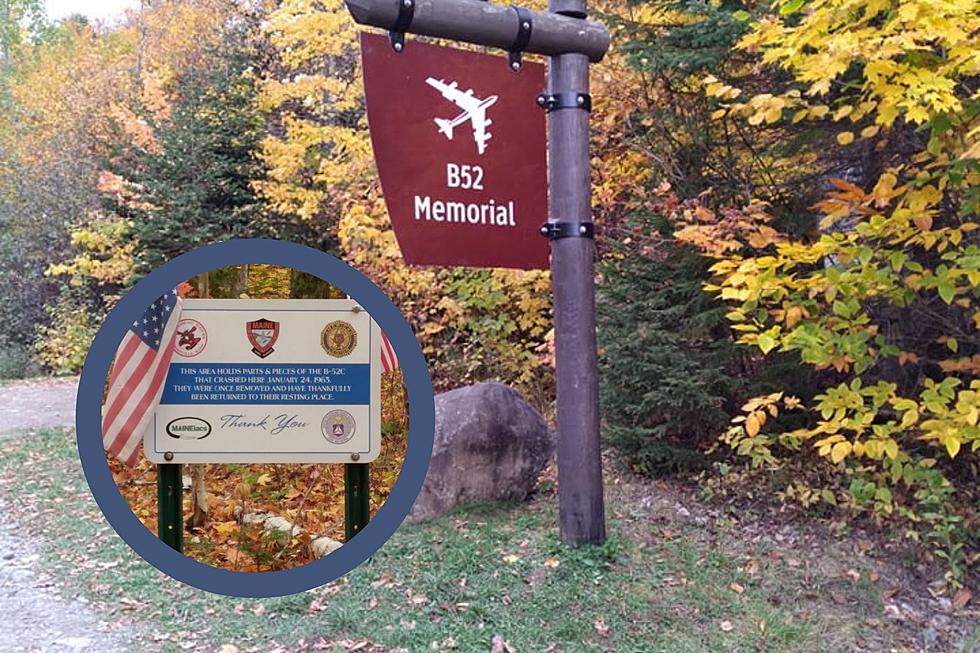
(786, 195)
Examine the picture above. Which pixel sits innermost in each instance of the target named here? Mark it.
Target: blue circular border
(88, 421)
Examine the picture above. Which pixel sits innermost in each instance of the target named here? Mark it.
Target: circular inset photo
(254, 418)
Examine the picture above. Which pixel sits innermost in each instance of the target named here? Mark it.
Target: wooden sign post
(571, 42)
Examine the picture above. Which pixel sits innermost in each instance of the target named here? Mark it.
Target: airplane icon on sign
(474, 111)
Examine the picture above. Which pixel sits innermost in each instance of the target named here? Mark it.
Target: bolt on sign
(273, 381)
(460, 146)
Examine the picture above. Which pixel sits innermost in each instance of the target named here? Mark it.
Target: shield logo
(263, 335)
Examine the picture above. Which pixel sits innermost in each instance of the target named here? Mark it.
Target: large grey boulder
(490, 445)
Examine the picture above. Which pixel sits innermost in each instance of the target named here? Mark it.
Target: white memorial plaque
(270, 381)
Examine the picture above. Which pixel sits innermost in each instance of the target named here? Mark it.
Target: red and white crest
(262, 334)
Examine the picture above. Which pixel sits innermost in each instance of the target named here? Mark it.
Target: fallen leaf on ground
(499, 645)
(601, 627)
(960, 599)
(726, 626)
(735, 587)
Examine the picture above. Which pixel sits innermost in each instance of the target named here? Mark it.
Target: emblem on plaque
(338, 339)
(263, 335)
(338, 426)
(191, 338)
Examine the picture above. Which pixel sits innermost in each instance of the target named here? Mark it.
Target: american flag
(389, 361)
(137, 379)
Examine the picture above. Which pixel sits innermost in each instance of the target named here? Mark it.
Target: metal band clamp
(558, 230)
(396, 33)
(525, 25)
(566, 100)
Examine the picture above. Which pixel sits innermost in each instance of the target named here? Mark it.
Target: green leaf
(766, 343)
(791, 7)
(946, 290)
(741, 15)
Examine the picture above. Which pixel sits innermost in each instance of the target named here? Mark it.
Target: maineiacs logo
(188, 428)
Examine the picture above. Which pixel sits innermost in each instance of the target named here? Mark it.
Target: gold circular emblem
(338, 339)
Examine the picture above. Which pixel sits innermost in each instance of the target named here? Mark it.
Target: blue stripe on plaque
(267, 383)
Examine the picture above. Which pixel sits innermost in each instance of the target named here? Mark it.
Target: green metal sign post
(170, 526)
(357, 498)
(170, 505)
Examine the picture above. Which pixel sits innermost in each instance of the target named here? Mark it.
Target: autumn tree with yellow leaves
(472, 324)
(881, 295)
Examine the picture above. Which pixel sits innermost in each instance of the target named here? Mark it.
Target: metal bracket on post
(567, 100)
(396, 34)
(557, 230)
(525, 25)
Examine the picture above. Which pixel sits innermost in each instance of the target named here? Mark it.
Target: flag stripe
(143, 359)
(143, 399)
(126, 362)
(389, 361)
(139, 419)
(130, 343)
(139, 416)
(136, 384)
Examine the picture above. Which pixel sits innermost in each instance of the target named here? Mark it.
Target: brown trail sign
(460, 149)
(571, 42)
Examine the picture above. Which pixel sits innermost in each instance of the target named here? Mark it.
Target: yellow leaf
(840, 451)
(226, 527)
(910, 417)
(263, 480)
(819, 111)
(845, 138)
(843, 112)
(752, 425)
(868, 132)
(952, 445)
(891, 449)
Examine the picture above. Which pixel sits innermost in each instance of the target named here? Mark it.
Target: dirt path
(35, 617)
(37, 404)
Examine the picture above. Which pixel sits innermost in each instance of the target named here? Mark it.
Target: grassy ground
(672, 579)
